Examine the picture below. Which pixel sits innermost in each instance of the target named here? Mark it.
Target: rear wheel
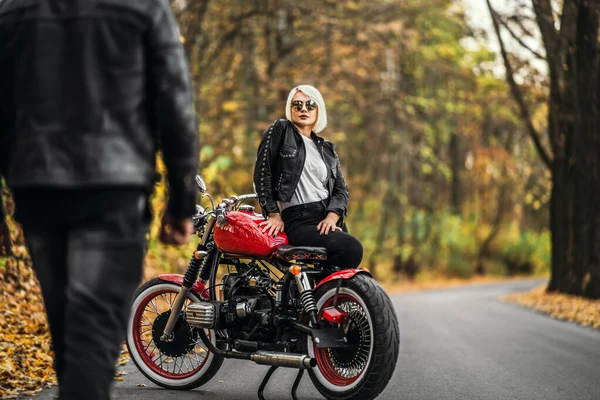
(362, 370)
(183, 363)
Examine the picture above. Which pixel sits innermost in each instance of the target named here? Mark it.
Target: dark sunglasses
(310, 105)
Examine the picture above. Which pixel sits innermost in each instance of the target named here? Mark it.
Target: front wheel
(182, 363)
(362, 370)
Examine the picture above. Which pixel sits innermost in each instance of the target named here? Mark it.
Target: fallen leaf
(558, 305)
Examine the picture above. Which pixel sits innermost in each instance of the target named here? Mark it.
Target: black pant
(343, 249)
(87, 249)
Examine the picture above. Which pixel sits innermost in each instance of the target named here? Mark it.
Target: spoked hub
(183, 338)
(343, 366)
(180, 357)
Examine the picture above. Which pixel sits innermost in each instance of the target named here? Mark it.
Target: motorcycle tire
(363, 370)
(181, 364)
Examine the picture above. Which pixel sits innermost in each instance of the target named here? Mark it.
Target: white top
(313, 180)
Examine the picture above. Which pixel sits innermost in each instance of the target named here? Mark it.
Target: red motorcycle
(273, 304)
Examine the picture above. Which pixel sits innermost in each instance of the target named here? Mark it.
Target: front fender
(343, 274)
(178, 279)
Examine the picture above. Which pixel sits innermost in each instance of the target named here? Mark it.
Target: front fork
(191, 275)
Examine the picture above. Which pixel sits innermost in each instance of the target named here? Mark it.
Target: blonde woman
(300, 184)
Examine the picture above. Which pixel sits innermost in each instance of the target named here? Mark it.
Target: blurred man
(89, 91)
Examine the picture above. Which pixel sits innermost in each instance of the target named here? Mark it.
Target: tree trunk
(573, 124)
(587, 264)
(455, 164)
(575, 213)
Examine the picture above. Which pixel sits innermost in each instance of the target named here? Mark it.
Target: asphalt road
(461, 343)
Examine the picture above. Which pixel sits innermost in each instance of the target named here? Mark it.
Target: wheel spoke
(152, 304)
(182, 365)
(188, 352)
(345, 365)
(168, 301)
(147, 322)
(146, 330)
(186, 364)
(175, 366)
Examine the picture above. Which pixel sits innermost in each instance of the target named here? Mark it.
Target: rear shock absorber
(307, 297)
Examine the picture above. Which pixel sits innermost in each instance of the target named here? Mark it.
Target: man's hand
(174, 231)
(5, 242)
(329, 224)
(273, 225)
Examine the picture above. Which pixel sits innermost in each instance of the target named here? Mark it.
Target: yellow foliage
(231, 106)
(25, 355)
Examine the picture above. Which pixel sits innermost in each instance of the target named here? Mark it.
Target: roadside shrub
(527, 253)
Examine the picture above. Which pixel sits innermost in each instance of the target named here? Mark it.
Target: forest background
(444, 179)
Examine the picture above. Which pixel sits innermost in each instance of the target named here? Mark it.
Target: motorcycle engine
(245, 306)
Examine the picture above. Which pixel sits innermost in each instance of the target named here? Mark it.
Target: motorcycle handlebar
(230, 204)
(247, 196)
(233, 201)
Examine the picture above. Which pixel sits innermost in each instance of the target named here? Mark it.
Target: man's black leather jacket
(89, 91)
(279, 164)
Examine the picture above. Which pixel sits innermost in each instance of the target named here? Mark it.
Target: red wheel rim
(344, 373)
(142, 348)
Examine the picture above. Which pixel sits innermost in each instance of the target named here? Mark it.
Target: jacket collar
(317, 139)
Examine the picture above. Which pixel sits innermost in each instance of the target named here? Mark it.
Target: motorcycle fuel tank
(242, 235)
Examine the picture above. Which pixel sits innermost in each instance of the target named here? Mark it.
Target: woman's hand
(273, 225)
(329, 224)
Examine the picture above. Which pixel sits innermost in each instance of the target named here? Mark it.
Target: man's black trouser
(87, 248)
(343, 249)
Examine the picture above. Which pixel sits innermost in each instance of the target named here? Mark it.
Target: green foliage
(526, 252)
(448, 244)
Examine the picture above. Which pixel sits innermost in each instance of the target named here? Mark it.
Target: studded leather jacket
(89, 91)
(279, 164)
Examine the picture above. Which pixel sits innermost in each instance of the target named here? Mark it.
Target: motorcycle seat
(291, 253)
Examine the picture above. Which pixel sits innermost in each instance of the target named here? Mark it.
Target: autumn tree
(570, 146)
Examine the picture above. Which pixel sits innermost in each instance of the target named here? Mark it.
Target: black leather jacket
(279, 164)
(89, 91)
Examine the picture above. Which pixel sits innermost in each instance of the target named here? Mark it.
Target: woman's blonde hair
(314, 94)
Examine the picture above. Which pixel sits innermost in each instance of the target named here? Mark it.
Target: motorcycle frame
(288, 278)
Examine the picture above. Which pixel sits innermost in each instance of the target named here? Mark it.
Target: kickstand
(297, 383)
(263, 384)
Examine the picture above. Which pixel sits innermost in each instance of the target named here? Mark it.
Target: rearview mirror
(201, 184)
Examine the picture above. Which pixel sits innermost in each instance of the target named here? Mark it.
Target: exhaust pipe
(273, 358)
(289, 360)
